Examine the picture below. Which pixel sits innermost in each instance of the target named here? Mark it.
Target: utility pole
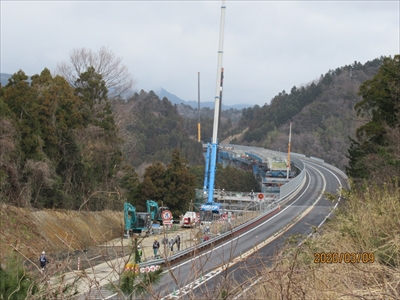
(288, 159)
(198, 108)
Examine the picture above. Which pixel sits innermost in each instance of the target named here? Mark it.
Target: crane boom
(218, 89)
(210, 205)
(129, 216)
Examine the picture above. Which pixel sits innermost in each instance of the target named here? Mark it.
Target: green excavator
(155, 211)
(136, 222)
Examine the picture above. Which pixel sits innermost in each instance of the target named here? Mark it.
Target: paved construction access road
(91, 271)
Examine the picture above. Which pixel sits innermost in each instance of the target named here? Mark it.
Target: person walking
(178, 242)
(171, 244)
(156, 246)
(43, 260)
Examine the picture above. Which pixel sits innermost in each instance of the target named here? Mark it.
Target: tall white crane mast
(218, 89)
(211, 158)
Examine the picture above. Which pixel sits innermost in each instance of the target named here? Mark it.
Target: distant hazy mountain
(4, 78)
(176, 100)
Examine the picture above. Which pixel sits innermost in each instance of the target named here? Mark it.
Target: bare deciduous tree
(116, 75)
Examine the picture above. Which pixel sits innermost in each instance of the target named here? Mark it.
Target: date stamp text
(346, 257)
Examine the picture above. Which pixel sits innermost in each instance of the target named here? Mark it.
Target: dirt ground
(69, 236)
(58, 232)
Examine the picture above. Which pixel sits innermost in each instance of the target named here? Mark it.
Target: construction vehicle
(190, 219)
(136, 222)
(211, 153)
(155, 211)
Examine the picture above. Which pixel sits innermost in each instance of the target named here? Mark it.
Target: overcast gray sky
(269, 46)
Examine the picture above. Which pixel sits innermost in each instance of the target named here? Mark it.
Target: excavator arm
(129, 216)
(136, 222)
(152, 208)
(155, 211)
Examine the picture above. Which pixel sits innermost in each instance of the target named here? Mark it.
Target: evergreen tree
(129, 182)
(101, 156)
(172, 186)
(179, 184)
(15, 282)
(59, 144)
(373, 152)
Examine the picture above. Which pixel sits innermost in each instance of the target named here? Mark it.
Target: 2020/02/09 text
(346, 257)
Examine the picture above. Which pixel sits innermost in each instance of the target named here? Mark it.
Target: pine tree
(179, 183)
(373, 154)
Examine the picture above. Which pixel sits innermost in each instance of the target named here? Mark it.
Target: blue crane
(211, 154)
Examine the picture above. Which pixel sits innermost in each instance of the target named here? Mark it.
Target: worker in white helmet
(43, 260)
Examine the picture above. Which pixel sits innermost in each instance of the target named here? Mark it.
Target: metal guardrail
(317, 159)
(287, 188)
(207, 243)
(219, 237)
(291, 188)
(333, 168)
(337, 170)
(294, 185)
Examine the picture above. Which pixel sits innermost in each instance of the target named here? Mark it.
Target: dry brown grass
(55, 231)
(368, 221)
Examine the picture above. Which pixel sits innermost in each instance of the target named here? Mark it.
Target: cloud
(269, 46)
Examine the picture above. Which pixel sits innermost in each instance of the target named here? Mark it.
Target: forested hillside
(151, 129)
(59, 145)
(65, 145)
(322, 113)
(228, 120)
(366, 222)
(62, 146)
(375, 152)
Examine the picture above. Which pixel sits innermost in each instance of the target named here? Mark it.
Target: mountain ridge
(194, 104)
(161, 93)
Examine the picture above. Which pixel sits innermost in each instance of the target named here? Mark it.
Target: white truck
(190, 219)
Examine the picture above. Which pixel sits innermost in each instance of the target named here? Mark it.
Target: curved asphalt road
(202, 276)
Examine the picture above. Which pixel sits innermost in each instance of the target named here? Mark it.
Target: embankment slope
(30, 231)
